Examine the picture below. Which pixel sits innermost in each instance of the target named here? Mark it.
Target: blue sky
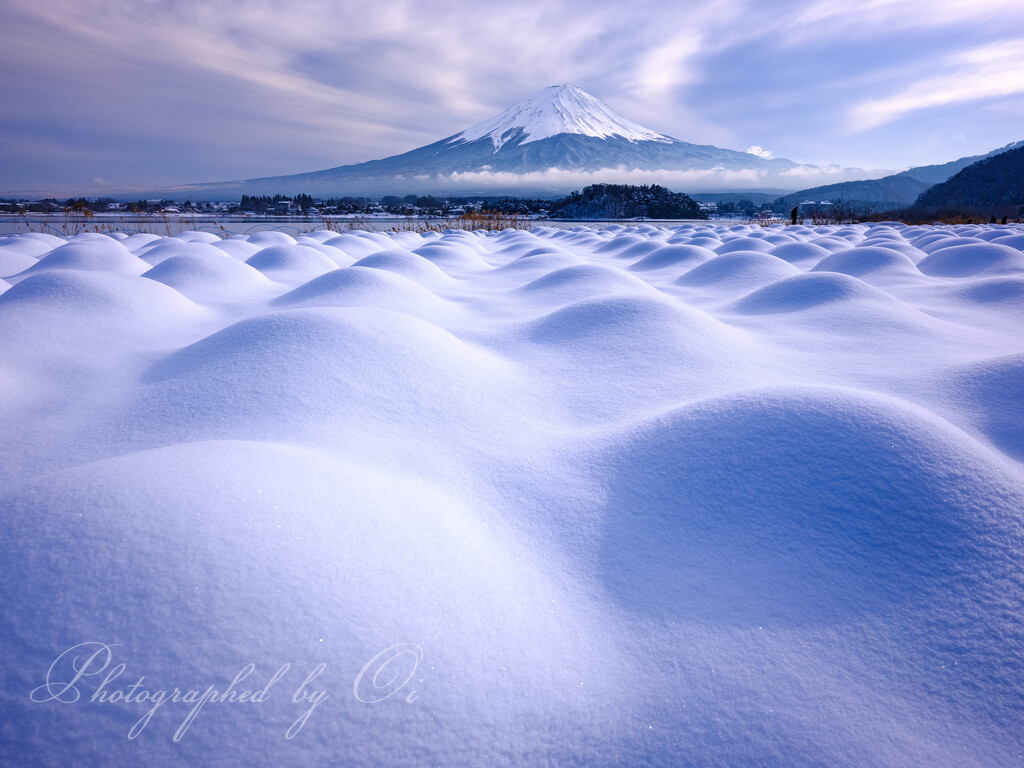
(103, 95)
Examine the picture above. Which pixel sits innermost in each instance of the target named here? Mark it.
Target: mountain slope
(995, 183)
(935, 174)
(556, 140)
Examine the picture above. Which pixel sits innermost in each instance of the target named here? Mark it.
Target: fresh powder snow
(695, 495)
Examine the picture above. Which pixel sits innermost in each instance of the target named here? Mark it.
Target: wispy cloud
(987, 72)
(828, 18)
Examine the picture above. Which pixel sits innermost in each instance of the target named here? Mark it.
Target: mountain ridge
(994, 183)
(554, 141)
(895, 190)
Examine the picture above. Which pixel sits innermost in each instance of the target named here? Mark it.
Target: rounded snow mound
(331, 372)
(832, 244)
(806, 291)
(617, 328)
(53, 241)
(416, 268)
(271, 237)
(204, 279)
(13, 261)
(794, 507)
(321, 235)
(864, 260)
(642, 249)
(452, 255)
(365, 287)
(570, 284)
(738, 269)
(924, 236)
(238, 248)
(504, 238)
(798, 252)
(572, 238)
(976, 258)
(1013, 241)
(990, 394)
(891, 239)
(291, 262)
(779, 238)
(538, 262)
(703, 241)
(619, 242)
(197, 236)
(938, 243)
(412, 240)
(317, 245)
(995, 290)
(744, 244)
(169, 247)
(139, 240)
(23, 246)
(103, 255)
(520, 252)
(256, 551)
(355, 245)
(71, 308)
(673, 256)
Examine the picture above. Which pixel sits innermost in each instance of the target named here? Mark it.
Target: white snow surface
(701, 495)
(556, 110)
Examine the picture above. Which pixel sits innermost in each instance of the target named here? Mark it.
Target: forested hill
(622, 201)
(994, 184)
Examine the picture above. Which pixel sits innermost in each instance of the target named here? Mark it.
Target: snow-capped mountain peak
(556, 110)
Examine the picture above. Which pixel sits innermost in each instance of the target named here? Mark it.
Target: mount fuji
(558, 139)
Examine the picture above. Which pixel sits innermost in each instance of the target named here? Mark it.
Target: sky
(104, 95)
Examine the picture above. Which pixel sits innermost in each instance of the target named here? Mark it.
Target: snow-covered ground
(704, 495)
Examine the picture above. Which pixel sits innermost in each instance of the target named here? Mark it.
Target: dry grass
(765, 221)
(490, 221)
(79, 218)
(947, 217)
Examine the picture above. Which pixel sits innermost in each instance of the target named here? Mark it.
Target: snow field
(709, 495)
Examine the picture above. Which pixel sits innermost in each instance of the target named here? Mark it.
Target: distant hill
(993, 185)
(895, 191)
